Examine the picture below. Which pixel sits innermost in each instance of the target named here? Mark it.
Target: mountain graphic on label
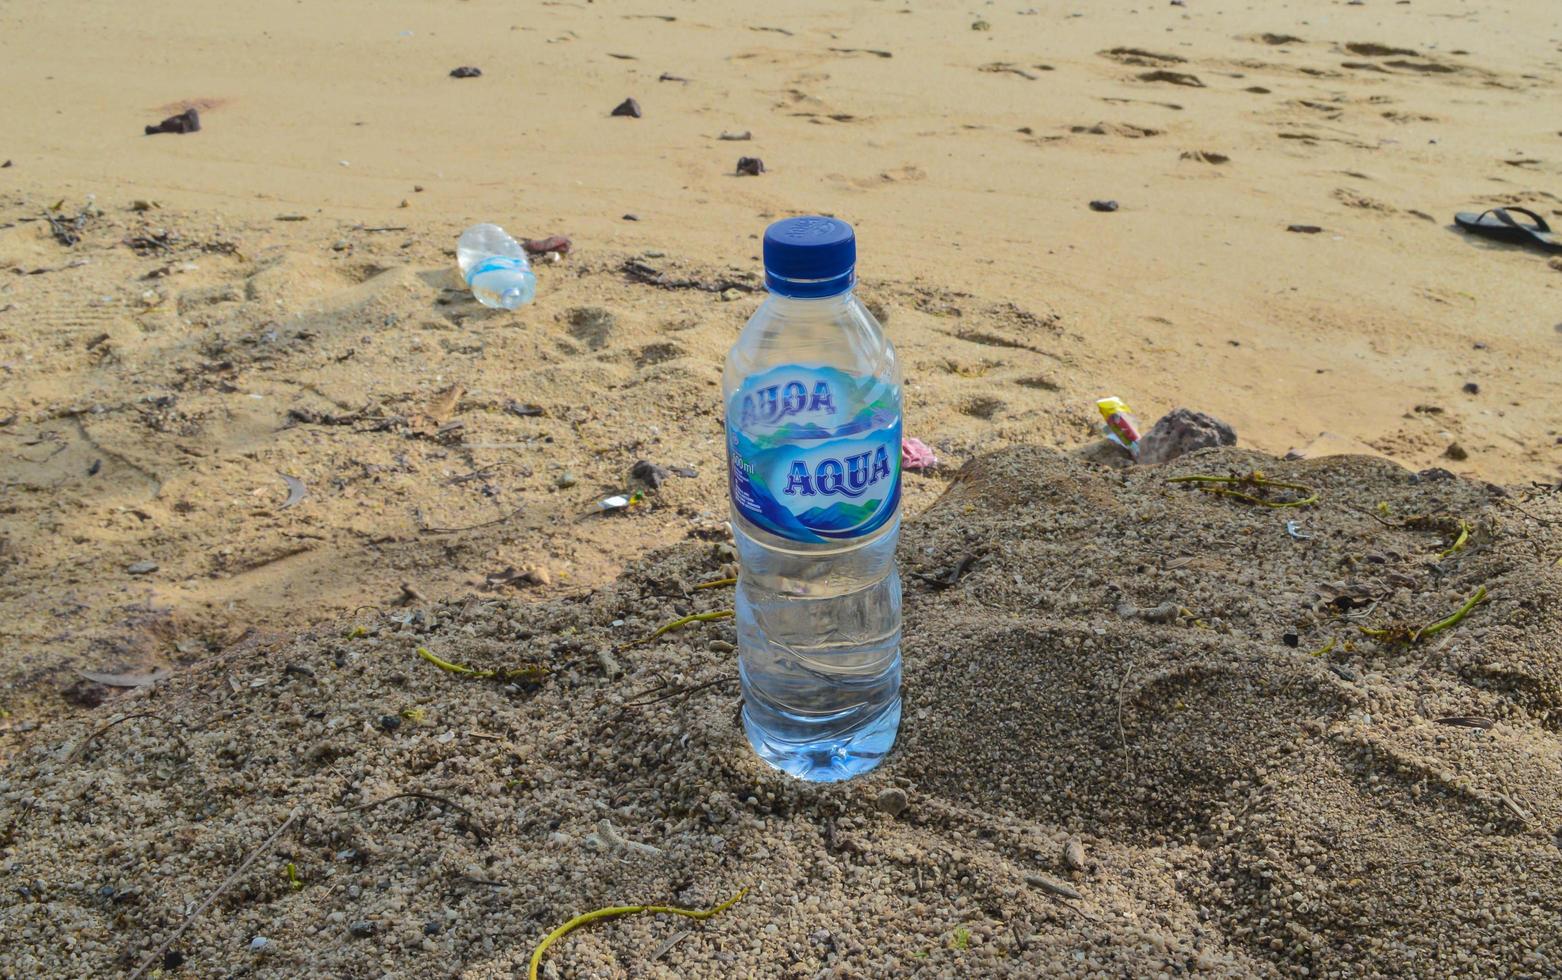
(839, 516)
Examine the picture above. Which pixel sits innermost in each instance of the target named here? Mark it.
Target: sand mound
(1119, 662)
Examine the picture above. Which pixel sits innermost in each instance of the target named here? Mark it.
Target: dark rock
(141, 567)
(390, 722)
(1107, 206)
(1304, 229)
(1471, 388)
(750, 166)
(362, 929)
(466, 71)
(1431, 475)
(173, 960)
(1181, 431)
(433, 927)
(650, 474)
(86, 694)
(1290, 639)
(7, 165)
(893, 801)
(1456, 452)
(188, 121)
(628, 107)
(631, 217)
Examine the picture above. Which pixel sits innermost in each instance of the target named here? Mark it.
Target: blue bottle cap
(810, 257)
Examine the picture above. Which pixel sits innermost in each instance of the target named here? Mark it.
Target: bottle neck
(811, 303)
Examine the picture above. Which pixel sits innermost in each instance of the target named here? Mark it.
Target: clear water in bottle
(813, 405)
(494, 265)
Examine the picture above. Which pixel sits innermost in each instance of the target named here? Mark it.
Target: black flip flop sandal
(1498, 224)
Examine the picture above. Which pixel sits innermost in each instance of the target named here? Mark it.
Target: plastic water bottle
(495, 267)
(812, 394)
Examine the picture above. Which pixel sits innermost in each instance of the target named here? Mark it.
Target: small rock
(259, 943)
(1074, 855)
(1431, 475)
(9, 164)
(538, 575)
(649, 473)
(720, 646)
(466, 71)
(1471, 388)
(1304, 229)
(188, 121)
(432, 927)
(1456, 452)
(731, 294)
(742, 137)
(750, 166)
(628, 107)
(141, 567)
(390, 722)
(631, 217)
(1107, 206)
(1181, 431)
(981, 25)
(1290, 639)
(893, 801)
(362, 929)
(566, 480)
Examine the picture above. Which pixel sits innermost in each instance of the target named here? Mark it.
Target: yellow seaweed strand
(614, 912)
(451, 668)
(1464, 536)
(717, 584)
(680, 623)
(1221, 485)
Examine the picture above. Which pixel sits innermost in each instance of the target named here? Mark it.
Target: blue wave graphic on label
(813, 453)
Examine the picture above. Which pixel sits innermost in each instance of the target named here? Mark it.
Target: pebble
(1456, 452)
(731, 294)
(1107, 206)
(362, 929)
(538, 575)
(1074, 855)
(720, 646)
(750, 166)
(390, 722)
(432, 927)
(628, 107)
(259, 943)
(142, 568)
(566, 480)
(1471, 388)
(893, 801)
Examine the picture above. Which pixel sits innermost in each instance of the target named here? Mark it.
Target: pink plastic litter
(915, 454)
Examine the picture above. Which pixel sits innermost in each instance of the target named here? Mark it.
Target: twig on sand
(470, 527)
(677, 692)
(265, 846)
(717, 584)
(614, 912)
(78, 750)
(471, 821)
(530, 672)
(677, 624)
(1122, 736)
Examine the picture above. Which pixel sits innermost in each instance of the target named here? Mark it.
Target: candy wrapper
(1121, 427)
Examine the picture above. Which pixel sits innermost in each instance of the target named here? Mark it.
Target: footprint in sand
(1141, 57)
(1172, 77)
(1125, 130)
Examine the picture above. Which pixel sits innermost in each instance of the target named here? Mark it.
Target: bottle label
(813, 453)
(494, 263)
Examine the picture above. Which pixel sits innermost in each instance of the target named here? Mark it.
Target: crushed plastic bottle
(494, 265)
(812, 391)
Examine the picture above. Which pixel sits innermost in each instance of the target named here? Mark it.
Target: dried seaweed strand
(614, 912)
(680, 623)
(1413, 636)
(717, 584)
(1212, 484)
(530, 673)
(1459, 543)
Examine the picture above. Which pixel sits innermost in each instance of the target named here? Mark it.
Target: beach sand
(267, 307)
